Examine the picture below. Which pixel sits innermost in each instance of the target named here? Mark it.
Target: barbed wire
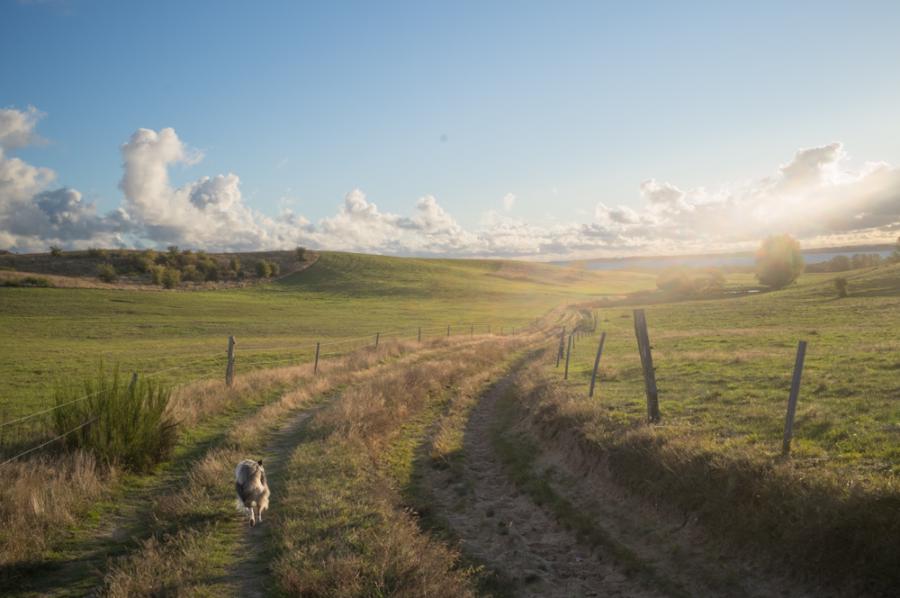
(52, 440)
(396, 333)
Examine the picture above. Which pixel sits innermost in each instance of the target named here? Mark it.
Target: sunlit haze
(532, 130)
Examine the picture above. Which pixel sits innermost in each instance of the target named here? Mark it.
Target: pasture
(723, 369)
(53, 334)
(444, 465)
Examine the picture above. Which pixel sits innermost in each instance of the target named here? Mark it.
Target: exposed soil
(503, 528)
(524, 543)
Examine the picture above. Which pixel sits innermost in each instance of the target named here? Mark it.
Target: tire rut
(501, 527)
(251, 576)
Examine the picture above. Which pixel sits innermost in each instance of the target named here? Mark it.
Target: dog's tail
(242, 500)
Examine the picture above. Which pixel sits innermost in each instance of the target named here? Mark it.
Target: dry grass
(205, 498)
(46, 496)
(43, 495)
(839, 528)
(342, 528)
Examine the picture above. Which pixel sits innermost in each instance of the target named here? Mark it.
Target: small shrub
(55, 250)
(840, 285)
(301, 253)
(263, 269)
(156, 274)
(28, 281)
(171, 278)
(192, 274)
(235, 264)
(274, 269)
(107, 273)
(130, 423)
(96, 253)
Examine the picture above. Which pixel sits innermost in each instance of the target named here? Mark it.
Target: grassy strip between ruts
(342, 528)
(843, 531)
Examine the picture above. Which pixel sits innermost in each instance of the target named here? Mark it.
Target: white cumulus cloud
(818, 195)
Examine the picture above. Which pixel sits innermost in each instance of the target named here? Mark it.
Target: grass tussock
(831, 527)
(44, 496)
(127, 421)
(151, 566)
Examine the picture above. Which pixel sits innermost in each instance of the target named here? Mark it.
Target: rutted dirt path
(503, 528)
(251, 576)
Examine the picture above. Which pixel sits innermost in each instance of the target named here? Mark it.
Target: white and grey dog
(252, 489)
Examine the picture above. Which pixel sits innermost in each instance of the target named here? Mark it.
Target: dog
(252, 489)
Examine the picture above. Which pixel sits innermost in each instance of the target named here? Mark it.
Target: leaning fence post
(448, 331)
(420, 334)
(489, 328)
(472, 331)
(596, 364)
(643, 339)
(316, 365)
(792, 399)
(229, 369)
(568, 352)
(377, 335)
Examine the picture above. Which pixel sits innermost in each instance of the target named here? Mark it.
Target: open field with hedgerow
(47, 334)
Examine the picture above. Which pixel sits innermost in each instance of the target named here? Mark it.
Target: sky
(533, 130)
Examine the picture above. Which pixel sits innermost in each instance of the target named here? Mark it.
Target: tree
(235, 264)
(840, 285)
(55, 250)
(301, 253)
(263, 269)
(779, 261)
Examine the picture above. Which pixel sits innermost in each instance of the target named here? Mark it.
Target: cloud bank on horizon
(815, 196)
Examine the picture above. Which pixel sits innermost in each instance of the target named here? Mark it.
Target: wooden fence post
(377, 336)
(420, 334)
(643, 339)
(792, 400)
(562, 345)
(489, 328)
(472, 331)
(596, 364)
(316, 365)
(568, 353)
(229, 369)
(133, 381)
(448, 331)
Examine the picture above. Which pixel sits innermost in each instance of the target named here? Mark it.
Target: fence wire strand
(456, 329)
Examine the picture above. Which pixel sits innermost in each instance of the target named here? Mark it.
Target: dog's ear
(260, 461)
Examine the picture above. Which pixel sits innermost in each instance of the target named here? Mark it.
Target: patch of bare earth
(503, 528)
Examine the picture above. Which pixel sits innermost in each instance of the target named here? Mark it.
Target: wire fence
(33, 427)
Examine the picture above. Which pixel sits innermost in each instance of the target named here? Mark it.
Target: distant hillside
(175, 268)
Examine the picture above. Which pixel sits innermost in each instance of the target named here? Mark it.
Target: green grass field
(52, 334)
(724, 367)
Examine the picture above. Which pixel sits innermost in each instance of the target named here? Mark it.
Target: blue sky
(567, 106)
